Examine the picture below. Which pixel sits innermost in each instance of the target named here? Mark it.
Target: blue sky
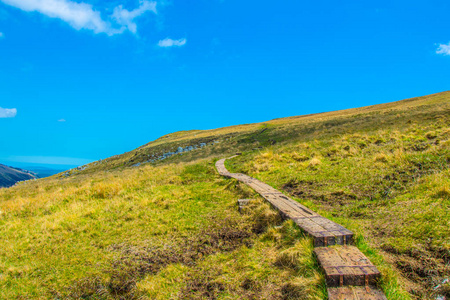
(84, 80)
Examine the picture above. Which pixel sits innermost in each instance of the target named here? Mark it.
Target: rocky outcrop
(178, 151)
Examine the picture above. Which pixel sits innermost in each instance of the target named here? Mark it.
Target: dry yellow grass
(63, 236)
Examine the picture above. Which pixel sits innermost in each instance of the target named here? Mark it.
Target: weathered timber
(349, 274)
(355, 293)
(346, 265)
(324, 232)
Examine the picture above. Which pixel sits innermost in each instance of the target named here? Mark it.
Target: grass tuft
(169, 229)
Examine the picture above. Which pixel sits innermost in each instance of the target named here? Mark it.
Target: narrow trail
(349, 274)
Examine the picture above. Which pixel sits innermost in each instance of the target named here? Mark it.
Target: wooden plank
(322, 236)
(349, 273)
(262, 190)
(346, 265)
(325, 232)
(328, 224)
(282, 205)
(369, 294)
(355, 293)
(298, 206)
(342, 293)
(289, 204)
(308, 225)
(342, 236)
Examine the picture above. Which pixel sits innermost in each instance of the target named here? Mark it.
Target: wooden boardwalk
(349, 273)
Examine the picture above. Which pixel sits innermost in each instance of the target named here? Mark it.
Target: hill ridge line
(349, 274)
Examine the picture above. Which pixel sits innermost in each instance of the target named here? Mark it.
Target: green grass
(389, 185)
(246, 137)
(131, 233)
(171, 230)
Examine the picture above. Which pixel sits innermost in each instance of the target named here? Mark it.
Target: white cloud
(84, 16)
(125, 17)
(51, 160)
(1, 35)
(171, 43)
(443, 49)
(8, 112)
(61, 120)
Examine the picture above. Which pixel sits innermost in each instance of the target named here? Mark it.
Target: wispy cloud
(125, 17)
(1, 35)
(61, 120)
(8, 112)
(81, 15)
(443, 49)
(171, 43)
(51, 160)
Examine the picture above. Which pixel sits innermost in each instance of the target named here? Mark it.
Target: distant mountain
(9, 175)
(43, 172)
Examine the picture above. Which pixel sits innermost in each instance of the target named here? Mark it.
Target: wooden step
(349, 273)
(324, 232)
(346, 266)
(355, 293)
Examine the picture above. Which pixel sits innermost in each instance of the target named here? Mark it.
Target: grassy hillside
(241, 138)
(9, 176)
(137, 226)
(392, 186)
(155, 232)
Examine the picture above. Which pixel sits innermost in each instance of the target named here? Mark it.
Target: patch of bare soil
(208, 284)
(385, 187)
(424, 271)
(133, 262)
(311, 191)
